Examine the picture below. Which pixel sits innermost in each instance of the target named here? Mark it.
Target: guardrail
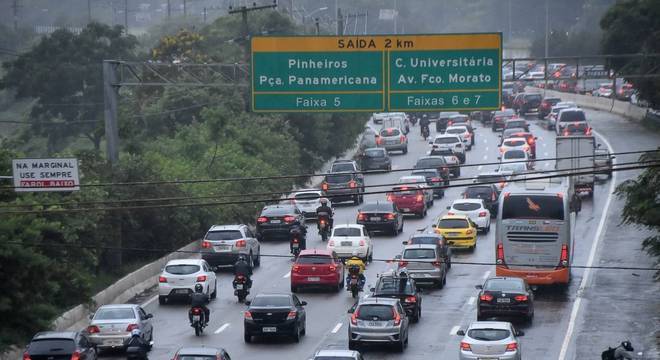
(623, 108)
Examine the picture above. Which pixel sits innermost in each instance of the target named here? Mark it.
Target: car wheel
(401, 345)
(356, 200)
(488, 228)
(405, 150)
(352, 345)
(401, 229)
(423, 214)
(296, 334)
(370, 258)
(395, 230)
(247, 338)
(529, 317)
(303, 332)
(151, 340)
(441, 283)
(214, 294)
(162, 300)
(257, 261)
(448, 263)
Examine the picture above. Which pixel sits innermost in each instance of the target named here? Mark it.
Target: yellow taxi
(459, 231)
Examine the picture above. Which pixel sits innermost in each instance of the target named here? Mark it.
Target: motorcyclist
(298, 232)
(137, 347)
(241, 267)
(356, 262)
(624, 351)
(199, 299)
(324, 211)
(403, 280)
(424, 123)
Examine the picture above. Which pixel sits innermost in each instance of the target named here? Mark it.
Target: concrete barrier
(623, 108)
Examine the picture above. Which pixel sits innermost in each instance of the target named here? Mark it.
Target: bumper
(561, 276)
(341, 195)
(215, 259)
(174, 291)
(273, 232)
(378, 226)
(425, 276)
(311, 280)
(107, 341)
(468, 355)
(462, 242)
(413, 208)
(503, 310)
(285, 328)
(370, 165)
(382, 336)
(346, 252)
(394, 147)
(482, 222)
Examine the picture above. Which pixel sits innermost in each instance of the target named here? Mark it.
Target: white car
(463, 133)
(513, 168)
(567, 116)
(474, 209)
(515, 143)
(347, 238)
(490, 340)
(421, 181)
(337, 355)
(307, 201)
(179, 278)
(452, 142)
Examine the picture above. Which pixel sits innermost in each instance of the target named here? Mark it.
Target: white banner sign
(45, 174)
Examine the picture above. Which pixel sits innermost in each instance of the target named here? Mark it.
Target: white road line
(148, 302)
(590, 261)
(221, 328)
(486, 274)
(395, 167)
(479, 167)
(336, 328)
(485, 157)
(287, 275)
(545, 154)
(547, 164)
(471, 300)
(544, 144)
(485, 141)
(365, 296)
(486, 149)
(454, 330)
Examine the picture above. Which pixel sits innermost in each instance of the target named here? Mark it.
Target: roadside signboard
(377, 73)
(45, 174)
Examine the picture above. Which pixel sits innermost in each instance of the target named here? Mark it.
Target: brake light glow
(419, 198)
(352, 184)
(332, 268)
(389, 216)
(379, 140)
(162, 279)
(486, 297)
(563, 262)
(289, 219)
(465, 346)
(403, 263)
(295, 268)
(390, 197)
(397, 317)
(521, 298)
(450, 213)
(75, 355)
(588, 131)
(436, 263)
(248, 315)
(435, 179)
(354, 316)
(500, 254)
(262, 219)
(483, 214)
(512, 347)
(362, 216)
(324, 186)
(93, 329)
(26, 356)
(201, 278)
(131, 327)
(206, 245)
(240, 243)
(291, 315)
(468, 232)
(196, 311)
(530, 140)
(402, 138)
(410, 299)
(362, 243)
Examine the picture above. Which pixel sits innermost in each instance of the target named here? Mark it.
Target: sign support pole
(110, 97)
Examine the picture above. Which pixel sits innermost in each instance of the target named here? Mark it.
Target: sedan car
(276, 221)
(517, 143)
(531, 140)
(222, 245)
(475, 209)
(490, 339)
(381, 216)
(344, 186)
(505, 296)
(317, 268)
(274, 315)
(111, 325)
(337, 355)
(60, 345)
(307, 201)
(514, 168)
(434, 162)
(179, 278)
(376, 159)
(347, 239)
(443, 120)
(378, 321)
(489, 193)
(433, 179)
(500, 117)
(420, 181)
(463, 132)
(392, 139)
(425, 264)
(390, 285)
(432, 239)
(201, 353)
(459, 231)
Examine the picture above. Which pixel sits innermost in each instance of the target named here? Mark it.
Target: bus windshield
(533, 207)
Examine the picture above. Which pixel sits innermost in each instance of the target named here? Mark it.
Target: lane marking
(471, 300)
(485, 157)
(479, 167)
(547, 164)
(395, 167)
(544, 144)
(221, 328)
(486, 275)
(336, 328)
(148, 302)
(485, 141)
(590, 261)
(287, 275)
(545, 154)
(454, 330)
(365, 296)
(486, 149)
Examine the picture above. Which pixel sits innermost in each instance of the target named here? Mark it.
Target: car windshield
(514, 154)
(488, 334)
(419, 254)
(390, 132)
(346, 231)
(515, 142)
(374, 153)
(271, 301)
(375, 312)
(342, 167)
(182, 269)
(390, 285)
(224, 235)
(533, 207)
(307, 196)
(446, 140)
(453, 224)
(334, 358)
(49, 346)
(466, 206)
(508, 285)
(572, 116)
(114, 314)
(377, 207)
(314, 259)
(338, 178)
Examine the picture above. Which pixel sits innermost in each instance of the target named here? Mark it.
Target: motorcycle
(354, 282)
(425, 132)
(324, 228)
(413, 120)
(241, 288)
(295, 247)
(198, 322)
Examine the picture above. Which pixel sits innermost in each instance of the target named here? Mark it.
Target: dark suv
(486, 192)
(343, 186)
(274, 315)
(402, 288)
(524, 103)
(434, 162)
(275, 221)
(433, 179)
(51, 345)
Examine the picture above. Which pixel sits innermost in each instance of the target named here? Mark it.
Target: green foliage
(632, 27)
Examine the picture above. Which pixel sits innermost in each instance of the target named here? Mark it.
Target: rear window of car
(419, 254)
(533, 97)
(49, 346)
(182, 269)
(488, 334)
(195, 357)
(514, 154)
(390, 285)
(459, 119)
(314, 259)
(377, 207)
(114, 314)
(375, 312)
(504, 285)
(375, 153)
(513, 167)
(456, 131)
(271, 301)
(533, 207)
(307, 196)
(424, 240)
(466, 206)
(478, 192)
(446, 140)
(404, 190)
(490, 178)
(514, 142)
(515, 123)
(278, 211)
(338, 178)
(581, 126)
(509, 132)
(224, 235)
(572, 116)
(390, 132)
(342, 167)
(426, 173)
(347, 231)
(429, 163)
(453, 224)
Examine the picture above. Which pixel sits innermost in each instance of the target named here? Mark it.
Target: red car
(317, 268)
(531, 141)
(409, 199)
(546, 106)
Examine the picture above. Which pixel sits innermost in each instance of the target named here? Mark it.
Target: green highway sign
(377, 73)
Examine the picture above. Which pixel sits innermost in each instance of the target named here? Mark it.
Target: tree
(63, 73)
(642, 205)
(632, 27)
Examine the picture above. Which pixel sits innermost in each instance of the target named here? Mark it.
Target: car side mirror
(91, 316)
(448, 207)
(599, 145)
(372, 289)
(520, 333)
(248, 303)
(460, 332)
(479, 287)
(351, 310)
(397, 257)
(303, 303)
(150, 316)
(404, 242)
(434, 226)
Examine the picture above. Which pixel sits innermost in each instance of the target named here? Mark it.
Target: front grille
(523, 236)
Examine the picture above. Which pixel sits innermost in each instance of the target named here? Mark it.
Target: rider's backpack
(608, 354)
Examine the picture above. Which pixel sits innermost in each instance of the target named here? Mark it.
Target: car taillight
(26, 356)
(389, 216)
(201, 278)
(295, 268)
(450, 123)
(162, 279)
(450, 213)
(240, 243)
(419, 198)
(520, 298)
(402, 138)
(390, 197)
(247, 315)
(93, 329)
(588, 131)
(410, 299)
(131, 327)
(262, 219)
(486, 297)
(379, 140)
(354, 316)
(295, 240)
(566, 133)
(468, 232)
(436, 263)
(352, 184)
(397, 318)
(403, 263)
(75, 355)
(563, 261)
(465, 346)
(206, 245)
(362, 243)
(289, 219)
(196, 311)
(483, 214)
(512, 347)
(502, 150)
(530, 140)
(362, 216)
(492, 197)
(291, 315)
(325, 186)
(500, 254)
(526, 147)
(435, 179)
(332, 268)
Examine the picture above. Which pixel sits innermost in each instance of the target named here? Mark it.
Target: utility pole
(169, 11)
(318, 27)
(185, 8)
(396, 15)
(89, 11)
(204, 13)
(547, 27)
(340, 22)
(510, 20)
(15, 7)
(110, 97)
(126, 15)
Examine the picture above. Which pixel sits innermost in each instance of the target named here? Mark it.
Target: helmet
(199, 288)
(136, 332)
(295, 230)
(627, 345)
(324, 201)
(242, 257)
(403, 273)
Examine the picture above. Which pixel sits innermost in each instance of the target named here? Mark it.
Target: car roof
(420, 246)
(517, 138)
(474, 201)
(447, 136)
(303, 191)
(490, 325)
(344, 353)
(456, 127)
(430, 157)
(514, 278)
(413, 177)
(43, 335)
(185, 262)
(119, 306)
(198, 350)
(317, 251)
(226, 227)
(429, 234)
(335, 226)
(379, 300)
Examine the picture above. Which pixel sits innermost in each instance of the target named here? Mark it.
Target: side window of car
(83, 343)
(143, 314)
(400, 309)
(296, 301)
(225, 355)
(248, 233)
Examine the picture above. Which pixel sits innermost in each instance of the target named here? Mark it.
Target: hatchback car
(60, 345)
(222, 245)
(179, 278)
(515, 168)
(409, 199)
(527, 103)
(488, 193)
(459, 231)
(342, 165)
(433, 179)
(329, 354)
(274, 315)
(347, 239)
(201, 353)
(376, 159)
(451, 142)
(546, 106)
(425, 264)
(517, 155)
(307, 201)
(378, 321)
(393, 139)
(490, 339)
(514, 143)
(452, 160)
(434, 162)
(432, 239)
(499, 178)
(381, 216)
(529, 137)
(500, 117)
(475, 209)
(567, 116)
(344, 186)
(419, 180)
(390, 285)
(516, 123)
(276, 221)
(317, 268)
(463, 132)
(111, 325)
(505, 296)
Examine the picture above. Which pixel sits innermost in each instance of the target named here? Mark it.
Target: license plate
(353, 281)
(489, 358)
(453, 234)
(406, 210)
(390, 142)
(222, 247)
(239, 286)
(269, 329)
(313, 278)
(181, 291)
(275, 221)
(346, 243)
(196, 318)
(112, 342)
(295, 246)
(375, 218)
(374, 324)
(503, 300)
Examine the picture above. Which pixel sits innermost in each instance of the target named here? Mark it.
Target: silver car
(111, 325)
(307, 201)
(378, 320)
(223, 243)
(337, 355)
(425, 264)
(490, 340)
(393, 139)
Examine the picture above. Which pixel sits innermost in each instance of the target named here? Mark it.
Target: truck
(576, 154)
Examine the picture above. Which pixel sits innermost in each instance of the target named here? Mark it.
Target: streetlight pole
(547, 27)
(396, 15)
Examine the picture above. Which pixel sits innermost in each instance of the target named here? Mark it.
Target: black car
(505, 296)
(50, 345)
(432, 239)
(486, 192)
(528, 103)
(274, 315)
(482, 116)
(434, 162)
(381, 216)
(516, 123)
(454, 169)
(402, 288)
(276, 221)
(443, 120)
(376, 159)
(500, 117)
(343, 186)
(433, 179)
